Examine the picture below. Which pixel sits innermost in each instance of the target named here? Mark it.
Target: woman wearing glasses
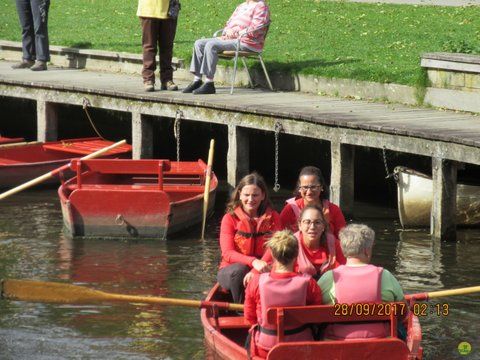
(315, 242)
(312, 190)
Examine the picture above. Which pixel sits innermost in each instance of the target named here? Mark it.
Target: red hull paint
(225, 339)
(19, 164)
(6, 140)
(124, 198)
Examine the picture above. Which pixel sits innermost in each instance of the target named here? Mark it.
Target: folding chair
(243, 54)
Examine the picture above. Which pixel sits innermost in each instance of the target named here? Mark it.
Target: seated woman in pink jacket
(248, 16)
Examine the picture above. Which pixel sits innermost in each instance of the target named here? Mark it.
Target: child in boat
(280, 287)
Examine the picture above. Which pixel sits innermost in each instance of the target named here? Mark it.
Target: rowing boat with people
(226, 331)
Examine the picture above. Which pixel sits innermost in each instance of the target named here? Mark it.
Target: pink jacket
(246, 17)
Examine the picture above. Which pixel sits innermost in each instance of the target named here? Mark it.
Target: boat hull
(415, 194)
(117, 206)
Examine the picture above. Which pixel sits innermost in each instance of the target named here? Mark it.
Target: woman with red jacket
(312, 190)
(247, 224)
(315, 242)
(280, 287)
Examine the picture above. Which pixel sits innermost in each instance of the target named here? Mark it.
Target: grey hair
(355, 239)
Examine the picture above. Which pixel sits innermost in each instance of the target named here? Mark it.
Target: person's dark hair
(251, 179)
(323, 237)
(315, 171)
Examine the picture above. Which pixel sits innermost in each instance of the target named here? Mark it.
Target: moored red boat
(24, 162)
(226, 332)
(134, 198)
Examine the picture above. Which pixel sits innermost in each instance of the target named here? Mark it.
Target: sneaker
(39, 66)
(207, 88)
(149, 86)
(194, 85)
(24, 64)
(169, 85)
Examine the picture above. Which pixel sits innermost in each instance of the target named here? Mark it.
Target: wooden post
(47, 121)
(443, 224)
(342, 177)
(238, 163)
(142, 136)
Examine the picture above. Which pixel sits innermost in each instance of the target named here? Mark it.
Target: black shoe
(207, 88)
(194, 85)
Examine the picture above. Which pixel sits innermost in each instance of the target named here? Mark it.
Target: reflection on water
(32, 246)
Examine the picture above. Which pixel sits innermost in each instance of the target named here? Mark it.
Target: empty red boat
(134, 198)
(24, 162)
(225, 334)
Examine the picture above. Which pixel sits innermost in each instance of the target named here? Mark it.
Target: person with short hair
(280, 287)
(248, 16)
(358, 282)
(248, 223)
(33, 16)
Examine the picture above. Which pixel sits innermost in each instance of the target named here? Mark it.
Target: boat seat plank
(85, 146)
(121, 166)
(326, 314)
(388, 348)
(232, 322)
(150, 187)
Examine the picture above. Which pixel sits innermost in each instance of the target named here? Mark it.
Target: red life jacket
(353, 285)
(304, 264)
(291, 291)
(330, 239)
(251, 235)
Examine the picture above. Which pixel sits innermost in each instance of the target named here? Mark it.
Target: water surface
(32, 246)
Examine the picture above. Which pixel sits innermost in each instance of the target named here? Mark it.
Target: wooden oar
(16, 144)
(206, 193)
(52, 173)
(45, 291)
(443, 293)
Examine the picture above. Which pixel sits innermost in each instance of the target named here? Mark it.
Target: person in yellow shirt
(159, 24)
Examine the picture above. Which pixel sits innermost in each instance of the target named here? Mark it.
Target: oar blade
(43, 291)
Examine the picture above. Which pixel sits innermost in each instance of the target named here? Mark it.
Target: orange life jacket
(251, 235)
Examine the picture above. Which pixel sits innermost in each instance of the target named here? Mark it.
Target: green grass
(373, 42)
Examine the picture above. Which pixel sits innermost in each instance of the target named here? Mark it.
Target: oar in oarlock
(45, 291)
(206, 193)
(443, 293)
(53, 173)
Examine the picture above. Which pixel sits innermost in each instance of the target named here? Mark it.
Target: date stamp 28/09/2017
(387, 309)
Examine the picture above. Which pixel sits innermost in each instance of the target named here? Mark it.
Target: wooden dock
(447, 137)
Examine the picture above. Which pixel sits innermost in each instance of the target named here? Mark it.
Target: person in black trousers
(33, 16)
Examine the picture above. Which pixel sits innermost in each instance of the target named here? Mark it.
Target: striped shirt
(248, 16)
